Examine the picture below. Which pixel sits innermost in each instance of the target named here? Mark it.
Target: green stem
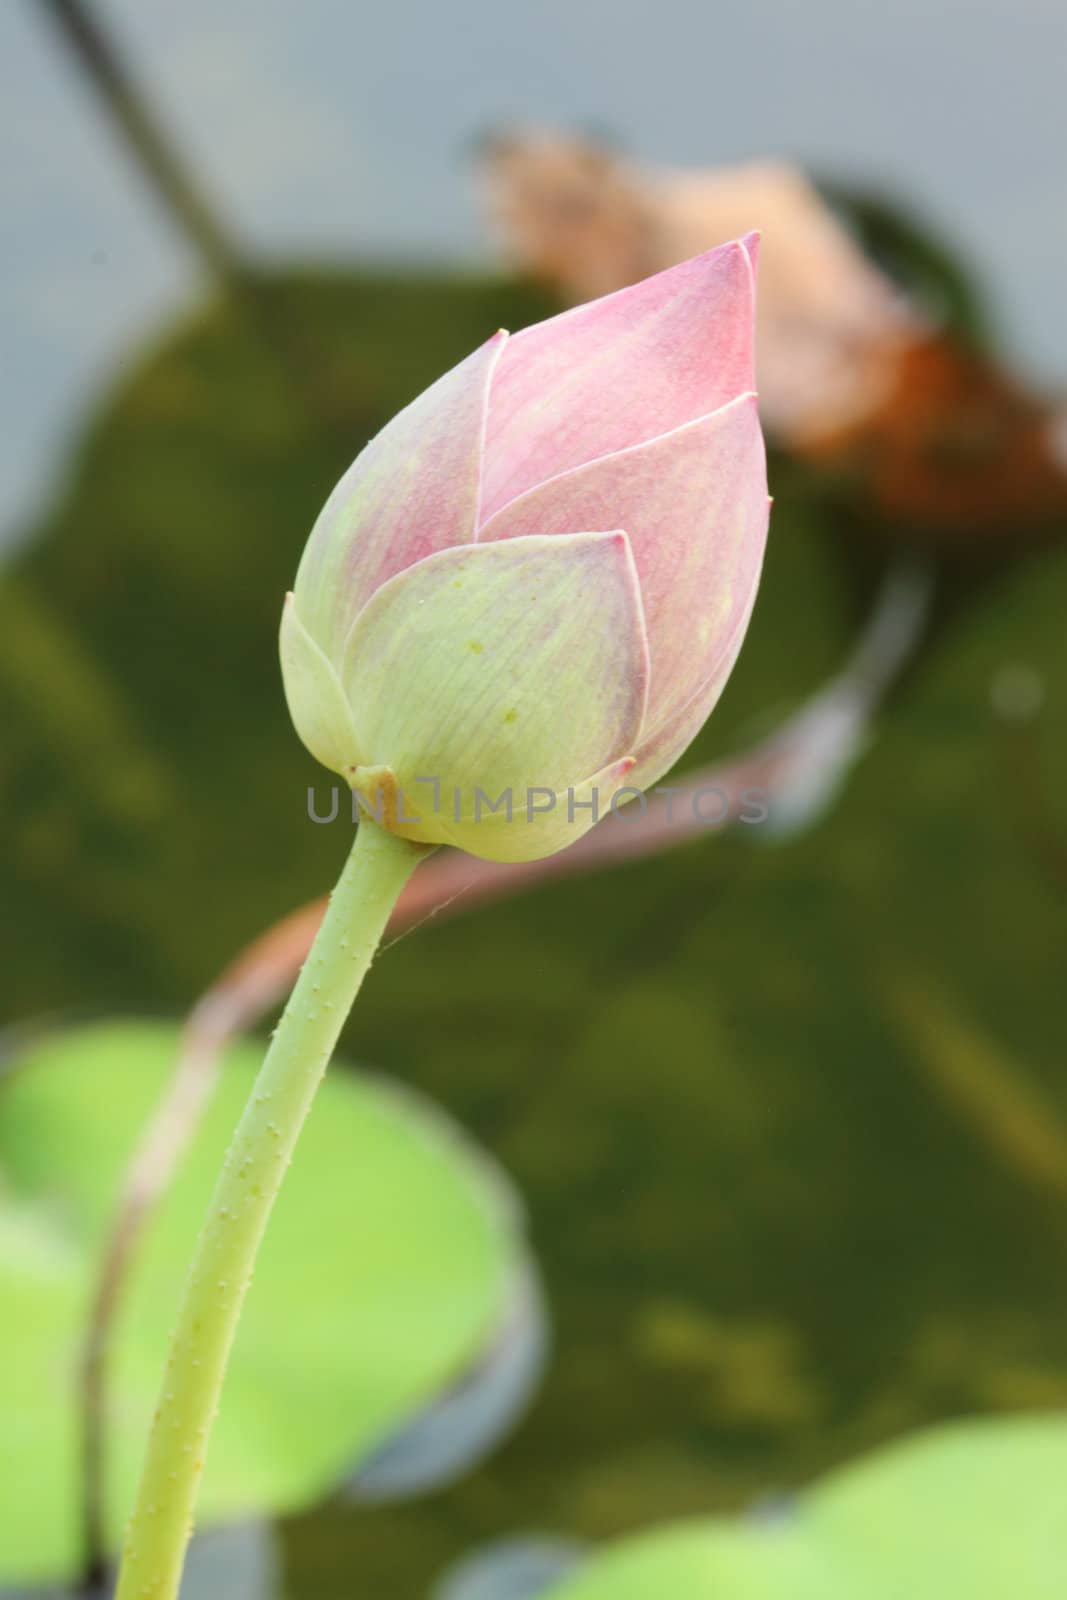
(375, 872)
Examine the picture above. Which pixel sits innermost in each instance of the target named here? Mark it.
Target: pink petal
(619, 371)
(694, 503)
(661, 746)
(413, 490)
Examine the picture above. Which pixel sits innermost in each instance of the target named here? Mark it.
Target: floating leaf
(240, 1562)
(973, 1509)
(458, 1429)
(389, 1269)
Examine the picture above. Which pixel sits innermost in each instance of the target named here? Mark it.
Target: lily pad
(973, 1508)
(454, 1432)
(241, 1562)
(388, 1270)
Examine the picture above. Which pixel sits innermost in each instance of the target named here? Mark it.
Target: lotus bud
(524, 597)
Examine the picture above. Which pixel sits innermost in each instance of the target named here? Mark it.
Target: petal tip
(732, 252)
(615, 540)
(622, 547)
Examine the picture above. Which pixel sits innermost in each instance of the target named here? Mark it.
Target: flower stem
(377, 869)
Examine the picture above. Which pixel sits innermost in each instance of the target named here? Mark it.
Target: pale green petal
(540, 823)
(314, 695)
(504, 666)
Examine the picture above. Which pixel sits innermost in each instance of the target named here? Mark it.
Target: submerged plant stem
(377, 869)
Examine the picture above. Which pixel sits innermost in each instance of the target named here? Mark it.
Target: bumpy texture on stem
(376, 871)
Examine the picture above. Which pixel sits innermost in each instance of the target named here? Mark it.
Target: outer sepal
(501, 667)
(314, 696)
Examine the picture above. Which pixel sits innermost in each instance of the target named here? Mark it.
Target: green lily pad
(388, 1268)
(973, 1508)
(240, 1561)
